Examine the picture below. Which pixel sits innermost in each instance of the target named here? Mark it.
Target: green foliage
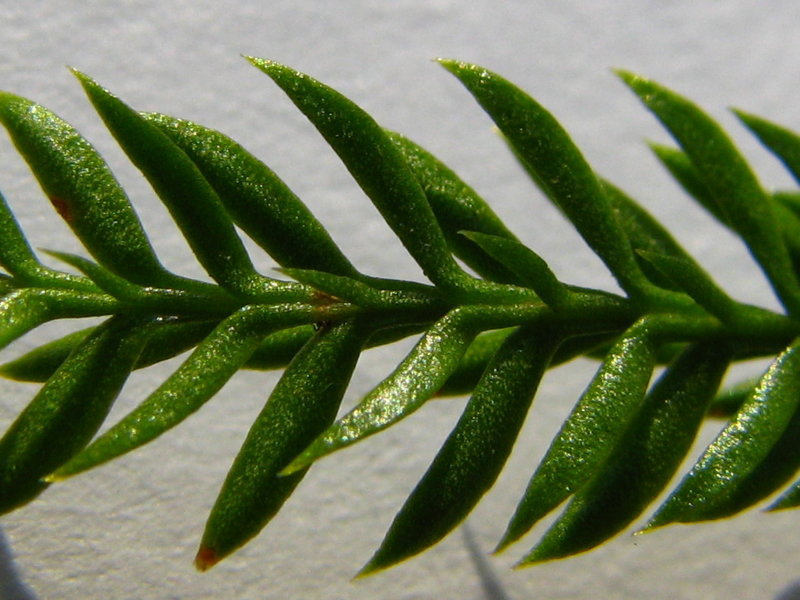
(492, 332)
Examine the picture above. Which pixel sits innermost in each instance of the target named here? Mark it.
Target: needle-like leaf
(741, 447)
(302, 404)
(192, 202)
(644, 460)
(559, 166)
(591, 431)
(457, 208)
(83, 190)
(17, 257)
(68, 410)
(256, 199)
(378, 167)
(25, 309)
(729, 179)
(528, 266)
(474, 454)
(416, 379)
(208, 368)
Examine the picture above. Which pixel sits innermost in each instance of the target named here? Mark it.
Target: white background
(130, 529)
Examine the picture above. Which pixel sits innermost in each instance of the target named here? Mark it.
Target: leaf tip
(450, 64)
(502, 545)
(625, 75)
(749, 120)
(524, 563)
(205, 559)
(652, 525)
(82, 77)
(639, 84)
(254, 60)
(372, 567)
(270, 67)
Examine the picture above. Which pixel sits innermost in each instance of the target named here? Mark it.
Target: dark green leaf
(68, 410)
(474, 362)
(682, 169)
(18, 259)
(39, 364)
(559, 166)
(192, 202)
(785, 144)
(592, 430)
(256, 199)
(528, 266)
(691, 278)
(772, 473)
(457, 208)
(169, 337)
(25, 309)
(644, 232)
(644, 460)
(725, 173)
(784, 204)
(83, 190)
(728, 402)
(366, 296)
(215, 360)
(377, 166)
(199, 300)
(474, 454)
(480, 352)
(303, 403)
(435, 357)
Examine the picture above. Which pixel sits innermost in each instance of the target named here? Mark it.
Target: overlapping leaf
(492, 336)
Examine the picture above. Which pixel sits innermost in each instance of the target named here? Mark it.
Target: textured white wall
(130, 530)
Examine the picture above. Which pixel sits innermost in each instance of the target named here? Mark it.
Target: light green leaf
(435, 357)
(476, 450)
(215, 360)
(741, 447)
(643, 461)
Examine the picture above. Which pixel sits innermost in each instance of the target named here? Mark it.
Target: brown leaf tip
(205, 559)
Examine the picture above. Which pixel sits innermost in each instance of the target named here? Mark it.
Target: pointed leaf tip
(205, 559)
(629, 77)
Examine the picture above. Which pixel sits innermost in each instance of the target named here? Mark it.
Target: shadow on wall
(11, 585)
(492, 587)
(13, 588)
(790, 593)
